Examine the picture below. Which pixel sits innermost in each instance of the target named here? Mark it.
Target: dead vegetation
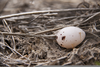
(27, 32)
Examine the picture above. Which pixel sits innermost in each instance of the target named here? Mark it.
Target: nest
(28, 38)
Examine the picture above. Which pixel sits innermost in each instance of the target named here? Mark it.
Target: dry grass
(28, 38)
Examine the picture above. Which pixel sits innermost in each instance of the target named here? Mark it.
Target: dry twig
(9, 30)
(48, 11)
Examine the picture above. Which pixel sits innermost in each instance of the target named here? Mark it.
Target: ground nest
(27, 32)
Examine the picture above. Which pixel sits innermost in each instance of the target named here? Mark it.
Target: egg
(70, 37)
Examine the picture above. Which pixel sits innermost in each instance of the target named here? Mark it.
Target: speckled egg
(70, 37)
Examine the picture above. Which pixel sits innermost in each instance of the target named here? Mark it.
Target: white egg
(70, 37)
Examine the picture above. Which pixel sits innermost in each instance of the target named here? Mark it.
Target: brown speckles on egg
(75, 40)
(72, 35)
(63, 38)
(56, 37)
(60, 34)
(72, 45)
(80, 34)
(61, 45)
